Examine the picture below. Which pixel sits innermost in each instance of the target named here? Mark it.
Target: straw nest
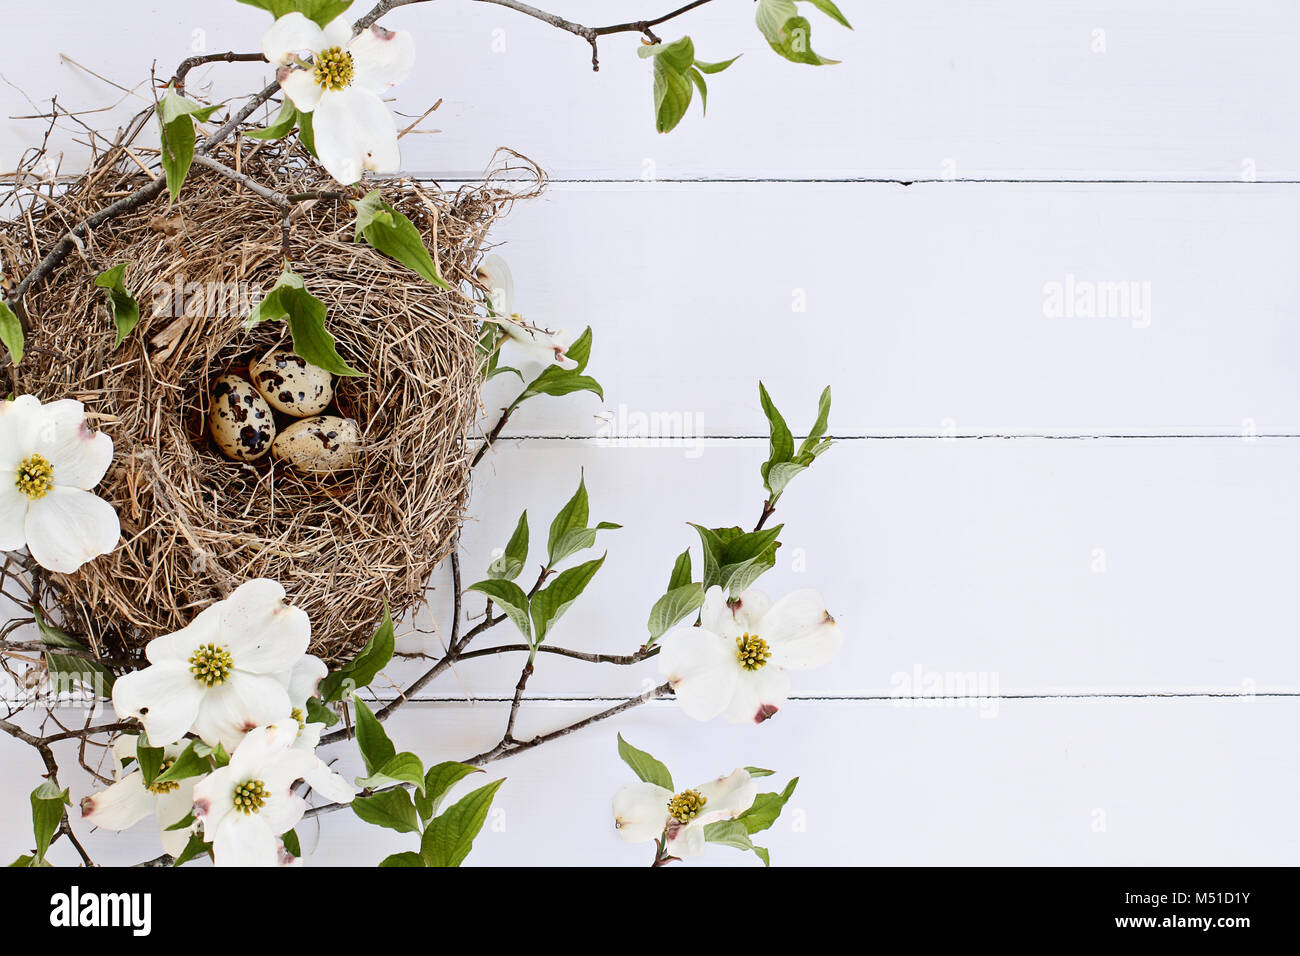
(194, 523)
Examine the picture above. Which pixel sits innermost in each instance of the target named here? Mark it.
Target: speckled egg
(318, 445)
(241, 421)
(291, 385)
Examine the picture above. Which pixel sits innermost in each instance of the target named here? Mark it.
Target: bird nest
(196, 524)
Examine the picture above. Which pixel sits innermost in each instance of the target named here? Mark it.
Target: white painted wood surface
(1078, 517)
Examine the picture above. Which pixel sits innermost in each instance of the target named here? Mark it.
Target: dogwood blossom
(129, 800)
(735, 662)
(49, 461)
(247, 805)
(645, 811)
(340, 87)
(221, 675)
(539, 344)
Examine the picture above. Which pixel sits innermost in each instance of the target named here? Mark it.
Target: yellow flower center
(752, 651)
(163, 786)
(299, 716)
(35, 476)
(333, 69)
(211, 665)
(686, 806)
(250, 796)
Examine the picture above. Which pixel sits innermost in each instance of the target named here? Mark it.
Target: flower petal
(68, 527)
(214, 799)
(13, 513)
(120, 805)
(290, 34)
(338, 32)
(181, 645)
(244, 702)
(80, 456)
(727, 797)
(264, 635)
(282, 811)
(549, 347)
(733, 618)
(301, 88)
(494, 272)
(172, 808)
(382, 58)
(641, 811)
(759, 695)
(354, 133)
(244, 840)
(326, 782)
(703, 669)
(304, 678)
(686, 841)
(20, 419)
(262, 747)
(164, 697)
(800, 631)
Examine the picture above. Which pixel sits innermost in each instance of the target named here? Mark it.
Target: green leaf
(26, 861)
(672, 607)
(408, 858)
(448, 838)
(681, 575)
(511, 598)
(580, 350)
(399, 768)
(712, 68)
(758, 772)
(48, 802)
(291, 843)
(672, 88)
(438, 782)
(780, 442)
(188, 764)
(549, 604)
(697, 78)
(184, 823)
(392, 809)
(176, 116)
(734, 559)
(149, 759)
(52, 636)
(290, 300)
(555, 380)
(11, 333)
(362, 669)
(574, 514)
(812, 446)
(511, 563)
(832, 11)
(195, 848)
(794, 42)
(321, 12)
(387, 230)
(122, 306)
(762, 853)
(306, 315)
(318, 713)
(376, 748)
(69, 670)
(645, 767)
(307, 133)
(281, 126)
(729, 833)
(766, 808)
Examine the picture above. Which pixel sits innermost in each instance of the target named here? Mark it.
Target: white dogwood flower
(248, 804)
(222, 674)
(49, 461)
(645, 811)
(539, 344)
(340, 87)
(735, 662)
(128, 801)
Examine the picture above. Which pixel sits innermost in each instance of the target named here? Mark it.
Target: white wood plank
(968, 560)
(1184, 90)
(929, 309)
(1121, 782)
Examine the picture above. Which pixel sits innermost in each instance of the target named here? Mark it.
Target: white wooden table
(1090, 522)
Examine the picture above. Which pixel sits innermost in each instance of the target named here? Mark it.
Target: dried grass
(194, 523)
